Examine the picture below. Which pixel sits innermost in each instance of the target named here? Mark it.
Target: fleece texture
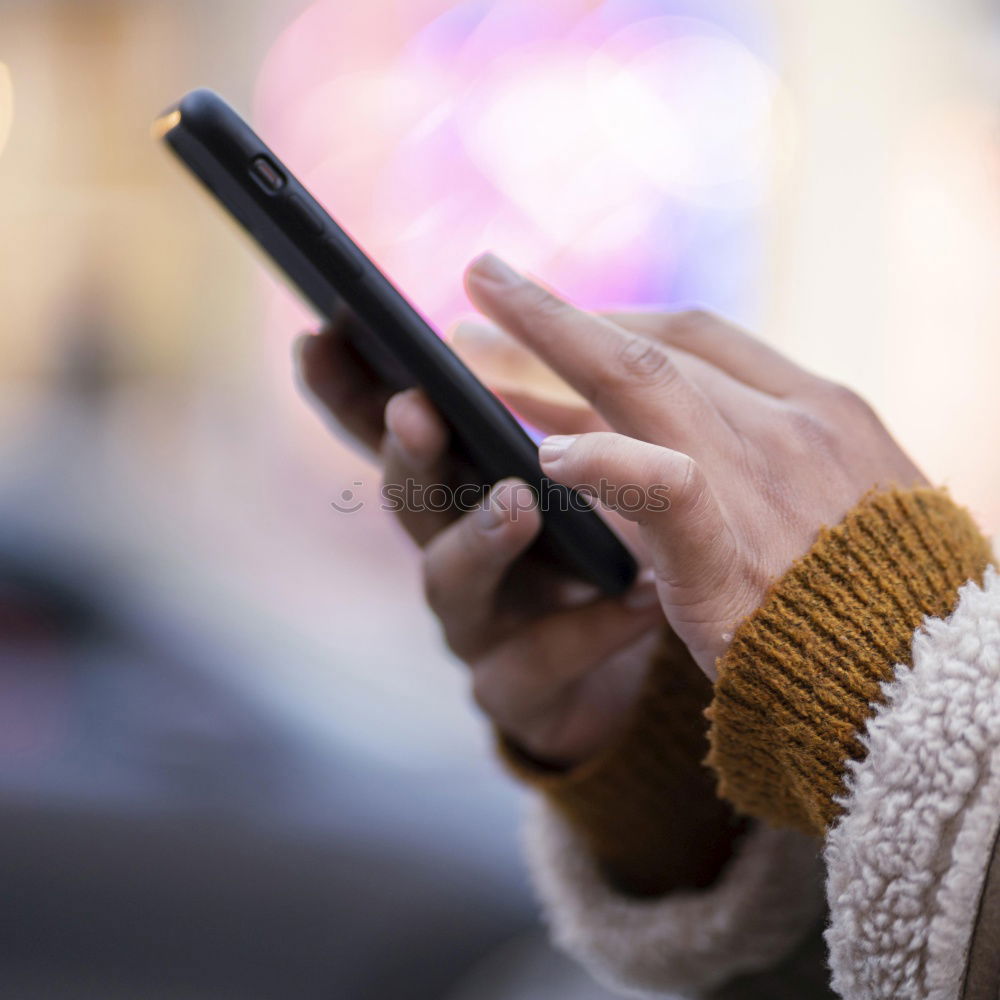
(623, 803)
(907, 859)
(687, 942)
(863, 703)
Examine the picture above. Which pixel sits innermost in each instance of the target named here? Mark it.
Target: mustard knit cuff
(804, 672)
(647, 808)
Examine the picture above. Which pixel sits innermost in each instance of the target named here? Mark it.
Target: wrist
(799, 681)
(646, 806)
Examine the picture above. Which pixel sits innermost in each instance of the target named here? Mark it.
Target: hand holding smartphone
(332, 273)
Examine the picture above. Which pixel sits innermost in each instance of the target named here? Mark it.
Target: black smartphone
(329, 269)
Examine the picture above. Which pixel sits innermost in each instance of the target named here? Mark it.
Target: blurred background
(235, 759)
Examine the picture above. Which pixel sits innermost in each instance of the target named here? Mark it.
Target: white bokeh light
(695, 111)
(529, 126)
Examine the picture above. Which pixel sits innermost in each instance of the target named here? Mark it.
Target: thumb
(667, 494)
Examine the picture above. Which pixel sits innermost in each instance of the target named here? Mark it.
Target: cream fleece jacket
(898, 879)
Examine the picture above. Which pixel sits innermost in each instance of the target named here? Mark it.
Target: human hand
(556, 666)
(758, 453)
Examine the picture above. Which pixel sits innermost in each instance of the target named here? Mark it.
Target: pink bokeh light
(563, 136)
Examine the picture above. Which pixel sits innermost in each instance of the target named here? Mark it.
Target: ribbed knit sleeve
(646, 809)
(646, 876)
(859, 701)
(805, 672)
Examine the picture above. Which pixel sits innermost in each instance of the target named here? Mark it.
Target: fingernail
(642, 597)
(554, 447)
(392, 418)
(491, 514)
(391, 415)
(395, 443)
(489, 267)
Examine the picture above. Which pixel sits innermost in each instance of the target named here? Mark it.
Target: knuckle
(844, 406)
(809, 433)
(644, 360)
(853, 405)
(689, 323)
(842, 397)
